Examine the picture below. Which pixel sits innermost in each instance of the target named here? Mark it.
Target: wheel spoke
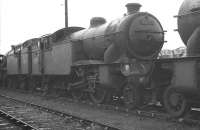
(175, 103)
(99, 95)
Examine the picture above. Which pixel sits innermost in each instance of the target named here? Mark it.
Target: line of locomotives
(113, 59)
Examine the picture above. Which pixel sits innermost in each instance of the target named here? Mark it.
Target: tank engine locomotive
(101, 60)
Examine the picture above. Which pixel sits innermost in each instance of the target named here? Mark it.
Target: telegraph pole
(0, 31)
(66, 13)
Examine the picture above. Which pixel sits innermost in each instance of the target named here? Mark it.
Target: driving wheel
(175, 103)
(99, 94)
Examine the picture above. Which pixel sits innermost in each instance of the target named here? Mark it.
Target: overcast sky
(21, 20)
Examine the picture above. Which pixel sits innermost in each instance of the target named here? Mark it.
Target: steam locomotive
(112, 59)
(183, 91)
(106, 60)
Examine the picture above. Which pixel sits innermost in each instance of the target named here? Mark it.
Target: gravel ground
(6, 125)
(40, 118)
(113, 118)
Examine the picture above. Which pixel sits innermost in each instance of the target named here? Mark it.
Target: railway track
(141, 115)
(9, 111)
(10, 122)
(7, 125)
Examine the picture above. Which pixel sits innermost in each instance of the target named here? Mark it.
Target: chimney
(133, 8)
